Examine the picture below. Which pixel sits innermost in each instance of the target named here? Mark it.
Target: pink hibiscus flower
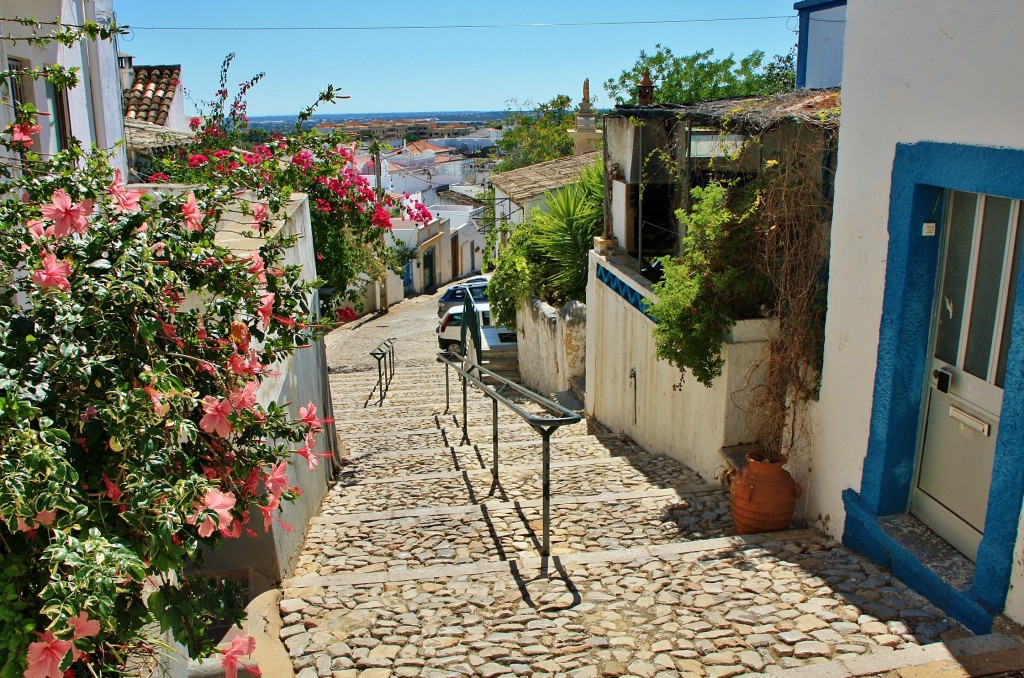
(307, 415)
(240, 645)
(159, 406)
(65, 215)
(260, 213)
(54, 273)
(244, 398)
(307, 451)
(21, 133)
(83, 626)
(45, 655)
(127, 201)
(266, 308)
(193, 216)
(113, 491)
(216, 418)
(258, 268)
(219, 502)
(277, 480)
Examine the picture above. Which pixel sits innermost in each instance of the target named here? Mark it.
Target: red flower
(222, 153)
(219, 502)
(346, 314)
(194, 123)
(240, 645)
(197, 160)
(302, 160)
(381, 218)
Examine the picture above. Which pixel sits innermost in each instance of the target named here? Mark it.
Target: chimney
(126, 65)
(586, 135)
(645, 92)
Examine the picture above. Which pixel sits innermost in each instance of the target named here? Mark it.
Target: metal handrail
(384, 354)
(474, 373)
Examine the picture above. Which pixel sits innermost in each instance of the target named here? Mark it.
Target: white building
(920, 423)
(90, 112)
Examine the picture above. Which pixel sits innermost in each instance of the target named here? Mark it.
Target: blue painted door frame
(921, 174)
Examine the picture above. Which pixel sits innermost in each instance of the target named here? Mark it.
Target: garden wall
(633, 393)
(552, 345)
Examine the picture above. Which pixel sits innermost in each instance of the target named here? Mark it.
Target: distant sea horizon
(441, 116)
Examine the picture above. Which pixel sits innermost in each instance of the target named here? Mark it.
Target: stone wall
(552, 346)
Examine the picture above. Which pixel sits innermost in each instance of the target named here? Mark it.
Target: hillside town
(723, 379)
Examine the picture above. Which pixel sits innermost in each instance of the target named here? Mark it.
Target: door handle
(942, 378)
(970, 421)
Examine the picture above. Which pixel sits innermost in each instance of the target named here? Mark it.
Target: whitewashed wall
(552, 345)
(94, 106)
(936, 70)
(688, 421)
(825, 48)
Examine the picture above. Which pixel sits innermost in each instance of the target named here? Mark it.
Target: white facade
(465, 229)
(915, 71)
(820, 57)
(91, 112)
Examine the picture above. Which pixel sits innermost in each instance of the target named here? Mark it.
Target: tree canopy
(700, 76)
(536, 135)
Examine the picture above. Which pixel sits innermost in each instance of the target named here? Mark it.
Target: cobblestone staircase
(419, 566)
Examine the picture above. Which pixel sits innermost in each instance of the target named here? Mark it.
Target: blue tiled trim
(920, 174)
(620, 287)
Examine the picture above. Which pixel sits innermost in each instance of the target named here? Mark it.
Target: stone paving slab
(516, 483)
(760, 608)
(502, 531)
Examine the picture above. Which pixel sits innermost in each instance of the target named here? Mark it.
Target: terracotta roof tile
(151, 93)
(526, 182)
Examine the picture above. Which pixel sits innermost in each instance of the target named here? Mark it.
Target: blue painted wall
(805, 9)
(921, 173)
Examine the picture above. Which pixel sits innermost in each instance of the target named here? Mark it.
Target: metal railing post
(447, 391)
(545, 550)
(557, 416)
(380, 380)
(465, 410)
(494, 438)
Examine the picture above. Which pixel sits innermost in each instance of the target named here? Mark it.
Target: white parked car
(449, 330)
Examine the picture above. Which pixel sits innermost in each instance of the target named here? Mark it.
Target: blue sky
(439, 69)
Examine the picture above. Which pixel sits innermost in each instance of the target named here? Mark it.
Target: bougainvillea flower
(65, 215)
(193, 216)
(127, 201)
(244, 398)
(157, 177)
(219, 502)
(45, 655)
(54, 273)
(302, 159)
(21, 133)
(240, 645)
(381, 218)
(197, 160)
(346, 314)
(266, 308)
(216, 418)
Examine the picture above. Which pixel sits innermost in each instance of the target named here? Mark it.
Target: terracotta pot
(763, 497)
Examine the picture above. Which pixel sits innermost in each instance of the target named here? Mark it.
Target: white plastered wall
(915, 70)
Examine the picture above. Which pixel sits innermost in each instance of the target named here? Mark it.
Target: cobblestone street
(419, 566)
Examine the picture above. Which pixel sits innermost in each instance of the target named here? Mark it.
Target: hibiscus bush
(349, 216)
(130, 430)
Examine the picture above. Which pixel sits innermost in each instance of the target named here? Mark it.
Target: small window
(456, 320)
(59, 132)
(487, 318)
